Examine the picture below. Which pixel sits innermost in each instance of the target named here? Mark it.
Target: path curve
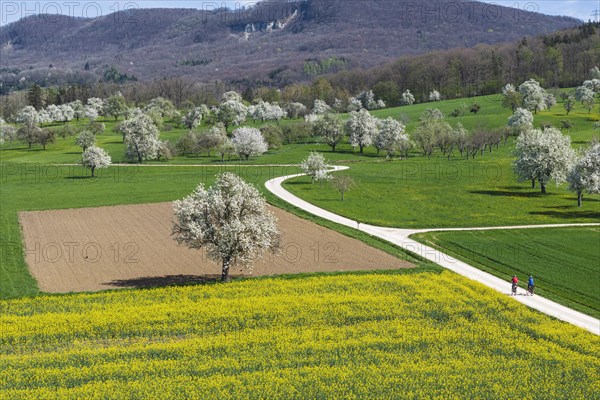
(400, 237)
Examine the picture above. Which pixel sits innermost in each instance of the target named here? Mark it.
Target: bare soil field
(93, 249)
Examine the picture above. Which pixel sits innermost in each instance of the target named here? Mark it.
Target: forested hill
(277, 41)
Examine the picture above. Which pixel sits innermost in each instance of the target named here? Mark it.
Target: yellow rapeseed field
(377, 335)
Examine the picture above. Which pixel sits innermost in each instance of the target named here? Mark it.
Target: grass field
(421, 193)
(438, 192)
(29, 187)
(378, 335)
(565, 262)
(410, 193)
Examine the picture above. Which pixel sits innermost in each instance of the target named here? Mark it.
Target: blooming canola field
(364, 335)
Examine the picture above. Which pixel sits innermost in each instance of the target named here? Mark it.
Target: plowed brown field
(92, 249)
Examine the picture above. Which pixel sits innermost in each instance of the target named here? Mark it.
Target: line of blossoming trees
(542, 155)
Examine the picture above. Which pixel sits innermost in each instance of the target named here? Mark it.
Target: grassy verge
(564, 262)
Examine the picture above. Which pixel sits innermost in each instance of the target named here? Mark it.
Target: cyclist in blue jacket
(530, 285)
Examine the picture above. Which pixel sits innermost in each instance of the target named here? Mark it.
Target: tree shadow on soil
(167, 280)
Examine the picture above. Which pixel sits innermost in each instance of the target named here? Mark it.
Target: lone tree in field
(330, 129)
(95, 157)
(230, 220)
(141, 138)
(361, 128)
(316, 167)
(342, 184)
(585, 174)
(249, 142)
(543, 156)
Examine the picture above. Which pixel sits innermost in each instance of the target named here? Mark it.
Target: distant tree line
(560, 59)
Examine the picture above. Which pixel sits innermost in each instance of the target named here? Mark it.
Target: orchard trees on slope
(95, 157)
(249, 142)
(316, 167)
(330, 129)
(362, 128)
(543, 156)
(585, 174)
(141, 138)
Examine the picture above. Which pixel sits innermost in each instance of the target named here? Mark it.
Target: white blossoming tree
(407, 98)
(390, 137)
(435, 96)
(431, 114)
(230, 220)
(85, 139)
(316, 167)
(192, 119)
(330, 129)
(96, 103)
(95, 157)
(264, 111)
(585, 174)
(249, 142)
(320, 107)
(521, 120)
(569, 104)
(367, 100)
(543, 156)
(296, 110)
(586, 96)
(115, 106)
(354, 104)
(232, 112)
(90, 113)
(164, 106)
(141, 138)
(29, 116)
(361, 128)
(550, 100)
(67, 113)
(55, 112)
(78, 109)
(511, 98)
(595, 73)
(592, 84)
(231, 96)
(533, 96)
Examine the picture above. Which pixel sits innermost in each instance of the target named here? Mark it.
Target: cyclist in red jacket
(515, 282)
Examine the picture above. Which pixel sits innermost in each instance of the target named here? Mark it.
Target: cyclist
(530, 285)
(514, 281)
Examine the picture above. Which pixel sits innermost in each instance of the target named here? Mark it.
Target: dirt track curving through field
(93, 249)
